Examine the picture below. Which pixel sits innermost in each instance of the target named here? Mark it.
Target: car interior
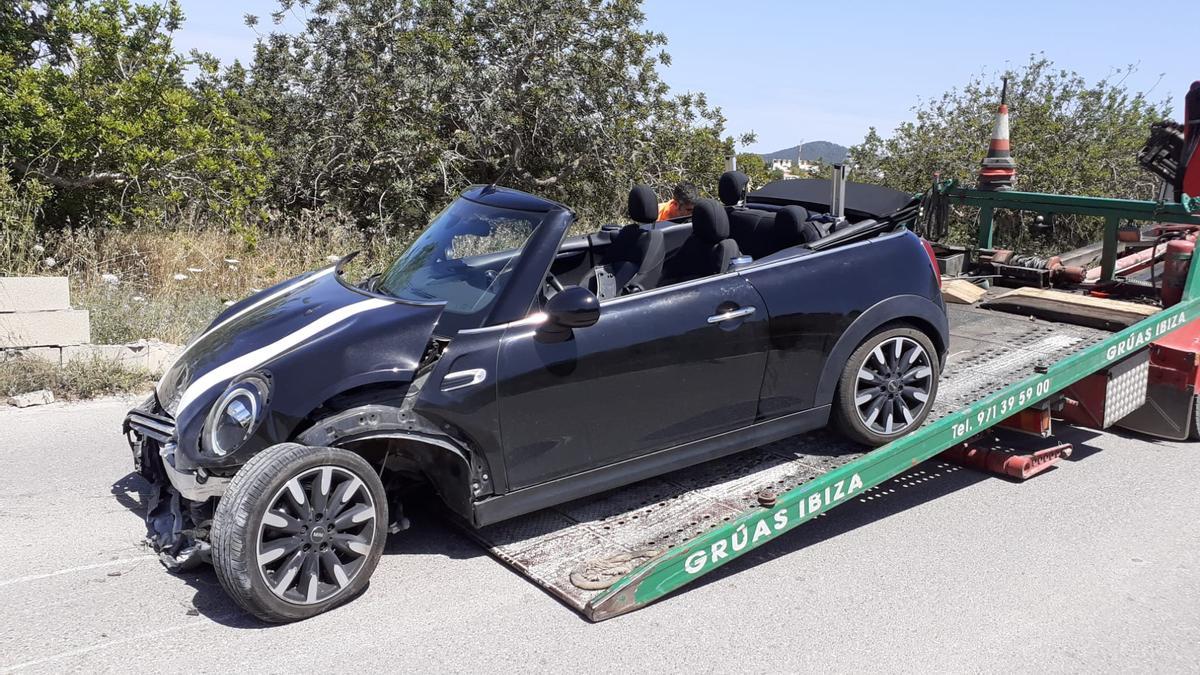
(642, 255)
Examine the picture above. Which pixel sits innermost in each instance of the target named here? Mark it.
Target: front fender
(458, 474)
(922, 312)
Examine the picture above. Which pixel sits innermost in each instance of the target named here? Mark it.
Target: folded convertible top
(862, 200)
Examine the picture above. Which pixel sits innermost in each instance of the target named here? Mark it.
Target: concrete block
(123, 354)
(153, 356)
(161, 355)
(51, 354)
(44, 329)
(34, 294)
(39, 397)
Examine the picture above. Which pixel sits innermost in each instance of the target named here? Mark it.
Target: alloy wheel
(316, 534)
(893, 385)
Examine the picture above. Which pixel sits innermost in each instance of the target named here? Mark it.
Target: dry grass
(77, 380)
(169, 284)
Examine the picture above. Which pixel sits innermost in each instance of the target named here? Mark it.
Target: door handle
(731, 314)
(463, 378)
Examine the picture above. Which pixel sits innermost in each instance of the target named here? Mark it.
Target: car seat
(709, 249)
(633, 260)
(750, 228)
(792, 228)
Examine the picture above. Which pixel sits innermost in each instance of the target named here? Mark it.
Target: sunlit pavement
(1094, 565)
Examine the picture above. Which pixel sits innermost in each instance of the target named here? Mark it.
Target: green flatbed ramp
(615, 552)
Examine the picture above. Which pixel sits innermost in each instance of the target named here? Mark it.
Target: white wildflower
(110, 279)
(232, 261)
(229, 303)
(39, 249)
(138, 298)
(333, 258)
(180, 277)
(256, 290)
(195, 270)
(49, 262)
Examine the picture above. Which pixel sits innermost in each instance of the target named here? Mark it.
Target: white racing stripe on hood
(261, 355)
(256, 304)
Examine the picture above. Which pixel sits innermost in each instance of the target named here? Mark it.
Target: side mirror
(573, 307)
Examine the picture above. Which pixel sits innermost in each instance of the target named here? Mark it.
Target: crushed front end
(179, 505)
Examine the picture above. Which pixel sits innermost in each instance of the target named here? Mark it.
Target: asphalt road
(1093, 566)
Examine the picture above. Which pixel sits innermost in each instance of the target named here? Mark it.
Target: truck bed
(573, 550)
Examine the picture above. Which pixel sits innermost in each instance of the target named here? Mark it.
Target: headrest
(709, 221)
(732, 187)
(643, 204)
(792, 228)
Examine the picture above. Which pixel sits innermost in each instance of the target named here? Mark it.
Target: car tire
(299, 531)
(879, 394)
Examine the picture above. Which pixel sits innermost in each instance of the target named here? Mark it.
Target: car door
(658, 369)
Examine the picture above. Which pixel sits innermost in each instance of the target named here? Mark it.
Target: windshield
(464, 258)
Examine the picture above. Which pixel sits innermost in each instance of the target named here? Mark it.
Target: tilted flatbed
(616, 552)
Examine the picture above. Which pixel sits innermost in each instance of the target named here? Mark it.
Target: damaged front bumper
(180, 503)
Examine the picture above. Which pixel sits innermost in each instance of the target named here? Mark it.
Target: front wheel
(887, 387)
(299, 531)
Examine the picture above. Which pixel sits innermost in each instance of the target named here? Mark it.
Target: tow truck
(1116, 343)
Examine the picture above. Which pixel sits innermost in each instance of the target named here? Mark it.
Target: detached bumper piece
(176, 528)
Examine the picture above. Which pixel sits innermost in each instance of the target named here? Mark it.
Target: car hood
(323, 332)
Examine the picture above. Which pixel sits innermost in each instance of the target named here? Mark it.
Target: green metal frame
(1112, 210)
(676, 568)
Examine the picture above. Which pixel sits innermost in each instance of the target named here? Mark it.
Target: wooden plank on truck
(1073, 308)
(962, 292)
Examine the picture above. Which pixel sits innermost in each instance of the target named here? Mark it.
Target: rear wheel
(888, 386)
(299, 531)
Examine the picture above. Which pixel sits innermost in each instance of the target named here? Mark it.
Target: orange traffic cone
(998, 171)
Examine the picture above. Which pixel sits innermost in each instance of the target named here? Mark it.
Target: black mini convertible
(510, 367)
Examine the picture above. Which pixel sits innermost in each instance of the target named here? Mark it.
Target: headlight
(236, 415)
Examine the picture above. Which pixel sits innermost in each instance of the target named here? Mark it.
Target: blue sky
(796, 70)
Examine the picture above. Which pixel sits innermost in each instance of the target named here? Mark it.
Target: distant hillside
(831, 153)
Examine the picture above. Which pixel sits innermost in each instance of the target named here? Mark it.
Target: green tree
(1068, 137)
(385, 108)
(753, 166)
(94, 104)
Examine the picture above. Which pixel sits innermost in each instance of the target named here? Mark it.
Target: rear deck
(575, 550)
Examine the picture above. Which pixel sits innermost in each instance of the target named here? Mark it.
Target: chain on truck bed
(577, 549)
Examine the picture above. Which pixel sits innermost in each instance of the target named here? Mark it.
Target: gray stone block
(147, 355)
(122, 354)
(34, 294)
(161, 355)
(39, 397)
(44, 329)
(51, 354)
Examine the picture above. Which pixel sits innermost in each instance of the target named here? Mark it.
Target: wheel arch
(408, 442)
(919, 312)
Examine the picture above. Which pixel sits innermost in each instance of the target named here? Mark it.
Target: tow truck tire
(890, 382)
(299, 531)
(1194, 430)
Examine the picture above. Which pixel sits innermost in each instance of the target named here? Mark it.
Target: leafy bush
(96, 106)
(387, 109)
(1068, 136)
